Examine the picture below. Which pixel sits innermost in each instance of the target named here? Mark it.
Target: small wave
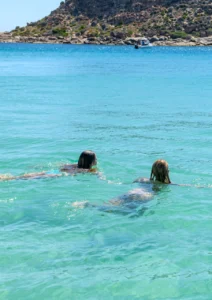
(10, 200)
(80, 204)
(104, 178)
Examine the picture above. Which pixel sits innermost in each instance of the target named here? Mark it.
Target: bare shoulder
(143, 180)
(73, 169)
(94, 171)
(78, 170)
(132, 196)
(68, 167)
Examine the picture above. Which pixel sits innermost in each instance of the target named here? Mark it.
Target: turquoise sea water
(130, 107)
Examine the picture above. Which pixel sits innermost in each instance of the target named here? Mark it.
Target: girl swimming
(86, 162)
(133, 198)
(159, 173)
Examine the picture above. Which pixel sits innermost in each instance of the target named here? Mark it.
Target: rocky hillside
(119, 21)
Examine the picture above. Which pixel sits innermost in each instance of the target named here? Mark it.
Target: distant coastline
(156, 41)
(120, 22)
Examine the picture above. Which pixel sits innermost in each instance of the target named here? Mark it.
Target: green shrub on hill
(60, 31)
(82, 27)
(178, 34)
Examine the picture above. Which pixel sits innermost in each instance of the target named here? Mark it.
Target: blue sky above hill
(18, 12)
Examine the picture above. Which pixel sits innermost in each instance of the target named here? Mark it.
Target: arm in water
(30, 176)
(86, 162)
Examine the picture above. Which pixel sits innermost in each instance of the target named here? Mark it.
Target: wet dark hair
(87, 159)
(160, 171)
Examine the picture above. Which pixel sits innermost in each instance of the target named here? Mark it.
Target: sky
(18, 12)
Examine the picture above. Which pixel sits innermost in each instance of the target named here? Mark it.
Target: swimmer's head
(160, 171)
(87, 160)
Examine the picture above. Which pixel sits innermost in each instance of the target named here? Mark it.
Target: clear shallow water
(130, 107)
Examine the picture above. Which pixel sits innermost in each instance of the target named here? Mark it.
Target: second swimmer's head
(160, 171)
(87, 160)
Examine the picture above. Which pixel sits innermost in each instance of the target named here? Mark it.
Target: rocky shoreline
(156, 41)
(120, 22)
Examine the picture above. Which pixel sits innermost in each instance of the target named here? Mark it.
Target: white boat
(143, 43)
